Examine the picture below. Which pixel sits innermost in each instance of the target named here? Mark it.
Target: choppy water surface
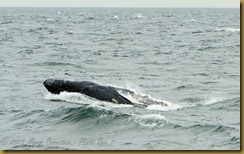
(188, 57)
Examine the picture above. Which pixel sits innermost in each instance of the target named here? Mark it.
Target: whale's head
(58, 86)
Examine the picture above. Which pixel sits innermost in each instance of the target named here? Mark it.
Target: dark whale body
(104, 93)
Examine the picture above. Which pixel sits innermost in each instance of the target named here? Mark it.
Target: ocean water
(189, 58)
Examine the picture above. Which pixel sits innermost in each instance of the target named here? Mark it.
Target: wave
(213, 100)
(116, 17)
(210, 128)
(103, 113)
(138, 16)
(50, 20)
(190, 20)
(76, 114)
(221, 104)
(90, 18)
(150, 120)
(203, 100)
(54, 64)
(106, 111)
(187, 86)
(90, 115)
(227, 29)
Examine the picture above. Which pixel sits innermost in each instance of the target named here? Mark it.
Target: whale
(91, 89)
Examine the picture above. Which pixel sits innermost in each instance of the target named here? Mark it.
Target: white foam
(191, 20)
(205, 101)
(68, 32)
(82, 13)
(138, 16)
(66, 96)
(50, 20)
(116, 17)
(150, 120)
(165, 108)
(115, 27)
(212, 100)
(227, 29)
(154, 116)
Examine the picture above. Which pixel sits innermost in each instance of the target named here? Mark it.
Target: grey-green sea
(188, 58)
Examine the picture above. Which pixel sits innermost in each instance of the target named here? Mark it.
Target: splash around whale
(104, 93)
